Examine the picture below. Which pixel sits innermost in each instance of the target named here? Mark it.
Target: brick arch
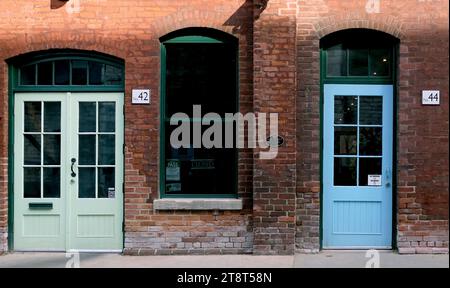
(189, 19)
(32, 43)
(382, 23)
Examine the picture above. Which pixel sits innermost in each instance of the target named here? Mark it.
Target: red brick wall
(279, 72)
(131, 30)
(274, 92)
(422, 149)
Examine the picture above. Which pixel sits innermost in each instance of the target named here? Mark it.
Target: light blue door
(357, 166)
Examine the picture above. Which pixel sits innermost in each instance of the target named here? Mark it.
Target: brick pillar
(3, 162)
(274, 92)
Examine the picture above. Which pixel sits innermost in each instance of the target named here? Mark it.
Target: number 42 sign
(431, 97)
(141, 96)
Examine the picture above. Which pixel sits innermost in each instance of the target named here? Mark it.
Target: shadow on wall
(55, 4)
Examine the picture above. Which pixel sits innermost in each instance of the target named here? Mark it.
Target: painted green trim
(64, 54)
(186, 39)
(193, 39)
(65, 88)
(357, 80)
(162, 124)
(321, 103)
(41, 206)
(198, 35)
(35, 58)
(11, 72)
(325, 79)
(396, 103)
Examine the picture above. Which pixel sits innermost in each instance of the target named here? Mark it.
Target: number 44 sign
(141, 96)
(431, 97)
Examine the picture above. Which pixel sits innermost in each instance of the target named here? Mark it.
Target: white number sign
(141, 96)
(431, 97)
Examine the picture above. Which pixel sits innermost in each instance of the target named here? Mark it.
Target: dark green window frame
(355, 39)
(18, 64)
(185, 36)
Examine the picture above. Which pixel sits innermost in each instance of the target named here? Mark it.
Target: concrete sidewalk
(328, 259)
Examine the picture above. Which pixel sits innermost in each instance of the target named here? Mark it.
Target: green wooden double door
(68, 172)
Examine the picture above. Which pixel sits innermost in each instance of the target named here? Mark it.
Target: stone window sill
(197, 204)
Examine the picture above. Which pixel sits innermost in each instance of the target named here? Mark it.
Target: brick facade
(279, 70)
(422, 208)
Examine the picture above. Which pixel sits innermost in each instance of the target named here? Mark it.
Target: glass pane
(106, 185)
(113, 75)
(79, 72)
(52, 182)
(371, 110)
(33, 116)
(370, 141)
(86, 149)
(199, 171)
(345, 109)
(106, 149)
(345, 141)
(45, 73)
(52, 116)
(337, 61)
(86, 185)
(52, 149)
(194, 73)
(32, 182)
(380, 62)
(62, 72)
(28, 75)
(359, 62)
(32, 149)
(368, 166)
(107, 116)
(96, 73)
(87, 117)
(344, 171)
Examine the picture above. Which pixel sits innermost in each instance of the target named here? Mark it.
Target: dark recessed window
(199, 74)
(358, 54)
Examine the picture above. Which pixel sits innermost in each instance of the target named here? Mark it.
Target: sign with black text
(141, 96)
(431, 97)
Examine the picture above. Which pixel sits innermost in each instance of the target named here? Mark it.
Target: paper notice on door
(111, 193)
(374, 180)
(173, 170)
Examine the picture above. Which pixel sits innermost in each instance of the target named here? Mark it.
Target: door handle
(388, 177)
(73, 174)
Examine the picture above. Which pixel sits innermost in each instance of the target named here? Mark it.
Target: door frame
(392, 80)
(36, 57)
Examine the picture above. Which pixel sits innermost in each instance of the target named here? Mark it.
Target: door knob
(73, 174)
